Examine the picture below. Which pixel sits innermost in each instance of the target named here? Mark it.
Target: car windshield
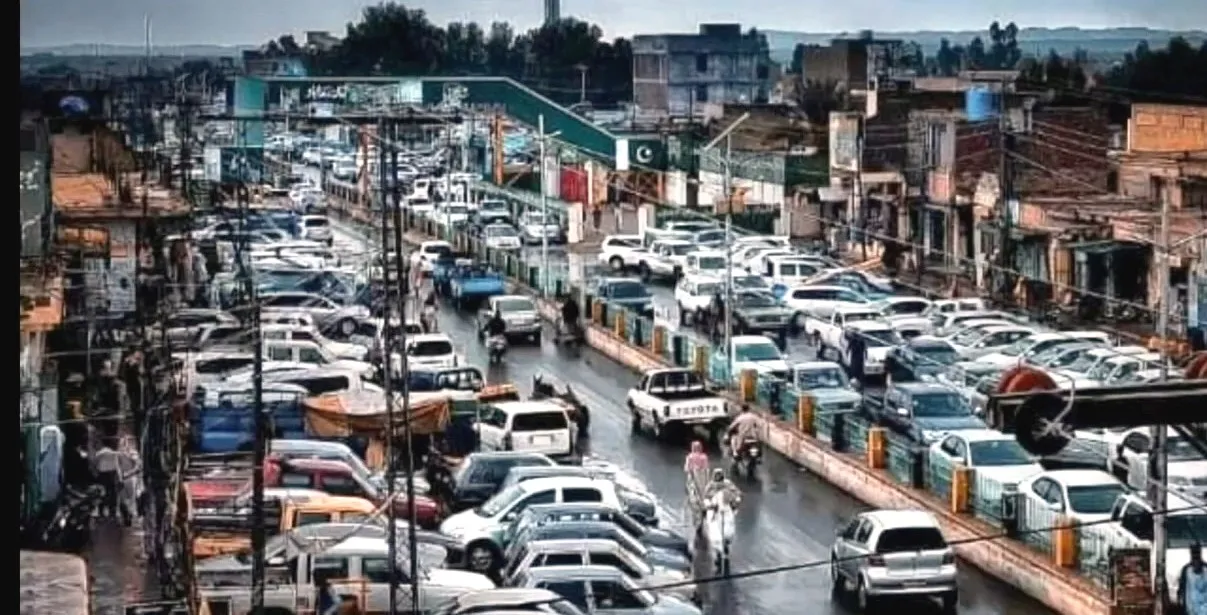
(493, 206)
(500, 231)
(821, 378)
(1104, 369)
(430, 348)
(710, 262)
(1181, 449)
(439, 249)
(1085, 362)
(755, 300)
(681, 249)
(1181, 531)
(968, 337)
(502, 500)
(748, 281)
(707, 288)
(757, 351)
(518, 304)
(1017, 348)
(1094, 499)
(937, 354)
(535, 219)
(629, 290)
(998, 453)
(939, 404)
(456, 210)
(879, 338)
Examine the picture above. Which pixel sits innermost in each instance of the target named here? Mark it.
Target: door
(856, 549)
(491, 427)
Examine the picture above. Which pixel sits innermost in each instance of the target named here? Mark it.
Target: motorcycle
(70, 528)
(496, 346)
(747, 457)
(569, 333)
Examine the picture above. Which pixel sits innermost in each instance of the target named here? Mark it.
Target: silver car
(541, 553)
(883, 554)
(519, 313)
(603, 590)
(509, 601)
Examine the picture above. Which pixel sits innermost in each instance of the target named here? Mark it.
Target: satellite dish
(74, 105)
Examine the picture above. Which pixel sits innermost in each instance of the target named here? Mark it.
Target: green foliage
(391, 39)
(1178, 71)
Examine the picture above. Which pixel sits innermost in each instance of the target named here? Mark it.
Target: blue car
(924, 412)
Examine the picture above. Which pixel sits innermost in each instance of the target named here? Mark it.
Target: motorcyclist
(721, 484)
(496, 327)
(570, 315)
(427, 315)
(745, 426)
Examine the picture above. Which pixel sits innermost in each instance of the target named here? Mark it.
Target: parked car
(924, 412)
(886, 554)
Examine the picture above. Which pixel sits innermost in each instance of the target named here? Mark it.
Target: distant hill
(203, 51)
(1033, 41)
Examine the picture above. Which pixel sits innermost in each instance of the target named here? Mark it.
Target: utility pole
(408, 433)
(1005, 260)
(727, 185)
(860, 202)
(582, 82)
(260, 421)
(388, 347)
(1159, 457)
(540, 127)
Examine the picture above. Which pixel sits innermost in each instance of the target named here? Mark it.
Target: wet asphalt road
(788, 517)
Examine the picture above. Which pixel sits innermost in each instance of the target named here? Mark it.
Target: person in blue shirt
(1192, 588)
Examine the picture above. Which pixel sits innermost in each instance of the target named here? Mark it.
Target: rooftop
(92, 196)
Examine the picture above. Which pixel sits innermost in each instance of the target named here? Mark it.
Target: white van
(528, 426)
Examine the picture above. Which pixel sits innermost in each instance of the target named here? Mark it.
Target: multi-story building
(677, 74)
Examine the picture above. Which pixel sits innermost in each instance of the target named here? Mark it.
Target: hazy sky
(59, 22)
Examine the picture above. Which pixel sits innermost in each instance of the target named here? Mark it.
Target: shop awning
(1104, 246)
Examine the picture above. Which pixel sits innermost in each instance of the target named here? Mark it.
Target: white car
(312, 355)
(1091, 361)
(665, 258)
(1116, 369)
(431, 350)
(317, 228)
(754, 352)
(501, 237)
(620, 251)
(806, 300)
(419, 205)
(325, 312)
(536, 228)
(994, 455)
(706, 262)
(1186, 470)
(1081, 496)
(425, 256)
(974, 343)
(540, 426)
(1035, 343)
(341, 350)
(451, 214)
(879, 337)
(693, 294)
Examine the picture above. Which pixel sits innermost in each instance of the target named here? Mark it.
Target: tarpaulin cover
(348, 414)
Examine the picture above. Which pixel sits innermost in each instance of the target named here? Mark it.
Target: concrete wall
(676, 188)
(712, 190)
(1167, 129)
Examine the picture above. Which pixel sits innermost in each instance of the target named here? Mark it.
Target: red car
(338, 478)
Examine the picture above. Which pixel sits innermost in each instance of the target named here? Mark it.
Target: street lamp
(540, 127)
(727, 184)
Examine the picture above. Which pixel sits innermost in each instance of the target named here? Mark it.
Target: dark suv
(478, 476)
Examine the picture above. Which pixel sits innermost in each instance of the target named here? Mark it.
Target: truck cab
(675, 399)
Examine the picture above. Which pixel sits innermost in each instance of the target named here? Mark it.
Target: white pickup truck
(1132, 526)
(356, 566)
(825, 327)
(676, 399)
(663, 259)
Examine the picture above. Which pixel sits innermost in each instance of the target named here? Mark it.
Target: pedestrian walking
(596, 216)
(105, 467)
(1193, 585)
(129, 468)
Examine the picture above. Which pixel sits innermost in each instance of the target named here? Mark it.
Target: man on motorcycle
(746, 426)
(496, 327)
(721, 484)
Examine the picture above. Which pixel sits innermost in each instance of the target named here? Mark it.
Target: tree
(1177, 71)
(390, 39)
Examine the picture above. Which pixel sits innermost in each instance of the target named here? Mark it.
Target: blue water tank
(980, 103)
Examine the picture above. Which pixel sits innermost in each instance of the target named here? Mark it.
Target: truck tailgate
(697, 409)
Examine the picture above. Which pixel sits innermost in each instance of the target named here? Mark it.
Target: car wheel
(482, 557)
(347, 327)
(864, 601)
(635, 420)
(837, 582)
(536, 338)
(616, 263)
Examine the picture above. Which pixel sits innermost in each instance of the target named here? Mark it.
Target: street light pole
(1159, 457)
(540, 127)
(727, 185)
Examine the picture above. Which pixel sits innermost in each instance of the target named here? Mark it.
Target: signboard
(349, 95)
(250, 100)
(844, 142)
(230, 165)
(96, 284)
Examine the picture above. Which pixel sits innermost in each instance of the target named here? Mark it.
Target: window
(562, 559)
(311, 518)
(865, 530)
(544, 497)
(331, 568)
(954, 447)
(701, 62)
(284, 301)
(613, 595)
(294, 479)
(310, 355)
(539, 421)
(377, 570)
(904, 539)
(341, 485)
(573, 591)
(583, 495)
(495, 417)
(1137, 442)
(221, 366)
(279, 353)
(611, 559)
(514, 565)
(303, 335)
(701, 93)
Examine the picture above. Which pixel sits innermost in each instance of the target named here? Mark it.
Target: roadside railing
(849, 432)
